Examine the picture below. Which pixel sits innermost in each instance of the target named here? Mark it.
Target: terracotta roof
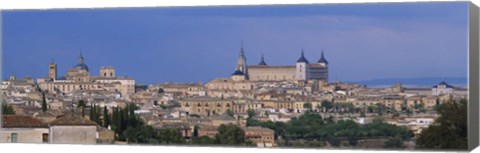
(224, 117)
(71, 119)
(18, 121)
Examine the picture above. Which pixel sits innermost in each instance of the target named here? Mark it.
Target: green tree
(307, 105)
(449, 131)
(394, 143)
(251, 113)
(203, 140)
(327, 105)
(230, 112)
(140, 134)
(230, 135)
(169, 136)
(44, 102)
(106, 117)
(362, 114)
(81, 104)
(7, 109)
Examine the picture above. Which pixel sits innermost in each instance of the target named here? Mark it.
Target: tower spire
(81, 57)
(302, 59)
(262, 62)
(242, 54)
(322, 59)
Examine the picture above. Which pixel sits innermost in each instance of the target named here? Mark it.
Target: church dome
(81, 66)
(238, 72)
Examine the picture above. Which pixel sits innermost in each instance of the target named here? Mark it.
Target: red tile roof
(71, 119)
(18, 121)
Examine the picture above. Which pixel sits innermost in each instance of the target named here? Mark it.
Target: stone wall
(73, 134)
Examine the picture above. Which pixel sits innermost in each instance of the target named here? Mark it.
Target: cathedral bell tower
(242, 63)
(52, 70)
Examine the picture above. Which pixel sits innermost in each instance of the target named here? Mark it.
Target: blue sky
(191, 44)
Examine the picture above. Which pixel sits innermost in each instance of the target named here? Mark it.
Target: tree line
(311, 127)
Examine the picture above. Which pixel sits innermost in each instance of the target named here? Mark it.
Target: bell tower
(52, 70)
(242, 63)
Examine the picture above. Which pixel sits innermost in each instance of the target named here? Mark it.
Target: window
(14, 137)
(45, 137)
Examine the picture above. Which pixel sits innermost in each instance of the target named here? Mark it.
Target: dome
(238, 72)
(81, 66)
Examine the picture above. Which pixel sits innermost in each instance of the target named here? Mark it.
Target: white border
(55, 4)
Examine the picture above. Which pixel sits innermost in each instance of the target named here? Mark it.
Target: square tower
(107, 72)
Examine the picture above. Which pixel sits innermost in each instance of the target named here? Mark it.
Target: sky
(198, 44)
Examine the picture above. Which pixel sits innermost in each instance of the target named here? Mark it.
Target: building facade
(302, 70)
(79, 78)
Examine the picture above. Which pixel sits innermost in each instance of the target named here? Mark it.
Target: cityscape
(299, 103)
(79, 108)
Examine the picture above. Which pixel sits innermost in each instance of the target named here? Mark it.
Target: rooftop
(71, 119)
(18, 121)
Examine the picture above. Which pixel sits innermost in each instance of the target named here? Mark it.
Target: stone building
(207, 130)
(445, 88)
(23, 129)
(79, 78)
(73, 129)
(206, 106)
(302, 70)
(262, 137)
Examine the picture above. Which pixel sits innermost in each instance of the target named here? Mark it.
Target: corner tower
(324, 67)
(302, 68)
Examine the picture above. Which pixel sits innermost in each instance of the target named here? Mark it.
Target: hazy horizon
(197, 44)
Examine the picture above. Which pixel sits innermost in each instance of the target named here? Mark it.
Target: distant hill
(416, 82)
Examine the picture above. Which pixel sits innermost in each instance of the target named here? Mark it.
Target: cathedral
(78, 78)
(302, 70)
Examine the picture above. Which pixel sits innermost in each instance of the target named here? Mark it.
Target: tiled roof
(224, 117)
(71, 119)
(18, 121)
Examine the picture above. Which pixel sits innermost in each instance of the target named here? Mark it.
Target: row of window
(14, 137)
